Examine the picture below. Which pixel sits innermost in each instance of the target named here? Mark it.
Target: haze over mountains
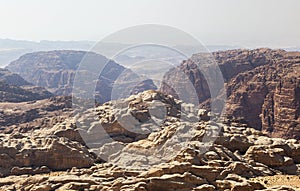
(56, 70)
(12, 49)
(41, 133)
(262, 85)
(150, 95)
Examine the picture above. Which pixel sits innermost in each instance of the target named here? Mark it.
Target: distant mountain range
(56, 70)
(12, 49)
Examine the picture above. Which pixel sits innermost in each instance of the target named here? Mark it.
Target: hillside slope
(13, 88)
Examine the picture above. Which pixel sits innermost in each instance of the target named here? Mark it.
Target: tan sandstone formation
(235, 160)
(262, 87)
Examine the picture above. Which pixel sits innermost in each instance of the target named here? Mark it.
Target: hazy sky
(231, 22)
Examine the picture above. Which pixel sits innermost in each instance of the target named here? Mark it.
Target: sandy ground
(280, 180)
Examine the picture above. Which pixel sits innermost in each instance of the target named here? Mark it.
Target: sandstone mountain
(56, 70)
(262, 87)
(237, 158)
(14, 88)
(268, 97)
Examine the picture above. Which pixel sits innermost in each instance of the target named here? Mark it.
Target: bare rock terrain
(235, 160)
(262, 87)
(152, 140)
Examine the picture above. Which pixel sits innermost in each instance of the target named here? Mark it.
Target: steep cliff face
(13, 88)
(262, 87)
(267, 97)
(230, 62)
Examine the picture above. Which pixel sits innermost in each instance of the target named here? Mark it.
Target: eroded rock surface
(27, 116)
(236, 156)
(262, 87)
